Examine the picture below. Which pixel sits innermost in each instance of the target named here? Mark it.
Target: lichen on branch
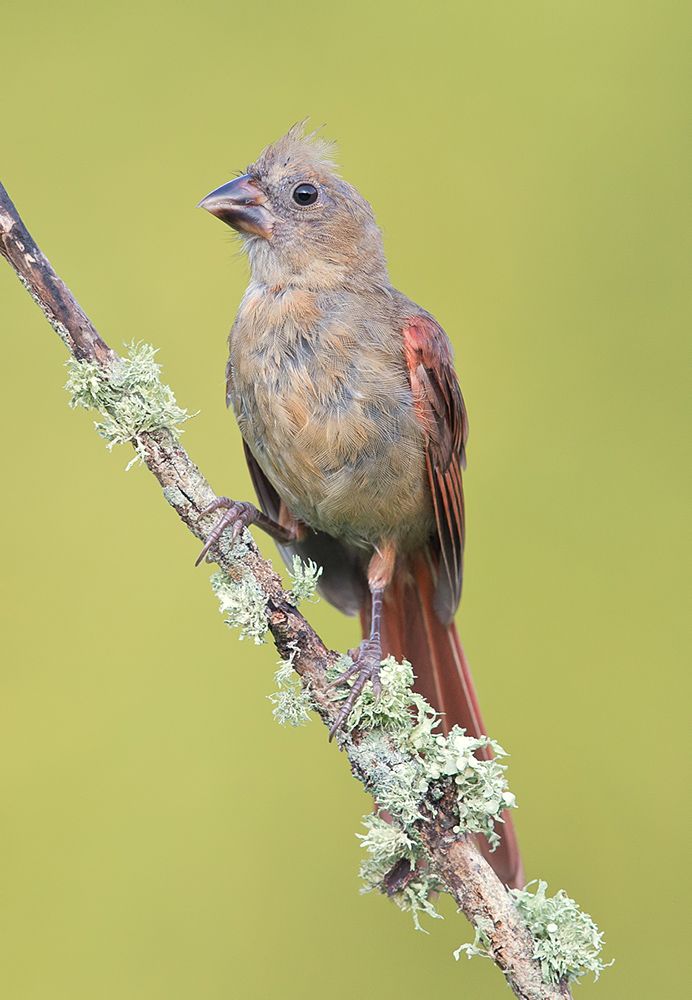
(242, 601)
(304, 579)
(567, 942)
(291, 700)
(129, 395)
(397, 866)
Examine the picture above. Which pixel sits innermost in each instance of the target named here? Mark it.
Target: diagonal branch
(454, 858)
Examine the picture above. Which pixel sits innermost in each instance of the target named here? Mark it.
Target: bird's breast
(323, 400)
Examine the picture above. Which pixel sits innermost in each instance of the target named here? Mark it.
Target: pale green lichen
(286, 670)
(415, 897)
(396, 779)
(402, 794)
(244, 606)
(389, 711)
(480, 947)
(304, 580)
(129, 395)
(387, 844)
(242, 603)
(291, 706)
(567, 942)
(292, 702)
(481, 785)
(391, 847)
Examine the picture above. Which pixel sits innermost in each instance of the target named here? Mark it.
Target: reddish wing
(441, 411)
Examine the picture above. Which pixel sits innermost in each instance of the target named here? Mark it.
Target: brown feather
(441, 412)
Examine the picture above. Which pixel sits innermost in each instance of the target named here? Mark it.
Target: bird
(354, 427)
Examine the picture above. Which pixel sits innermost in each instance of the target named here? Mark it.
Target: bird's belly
(346, 461)
(377, 496)
(380, 494)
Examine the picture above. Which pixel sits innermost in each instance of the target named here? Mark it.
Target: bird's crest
(296, 151)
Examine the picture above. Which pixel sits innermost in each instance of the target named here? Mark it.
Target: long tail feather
(411, 629)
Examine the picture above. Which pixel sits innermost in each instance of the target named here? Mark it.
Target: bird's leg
(238, 514)
(367, 658)
(366, 663)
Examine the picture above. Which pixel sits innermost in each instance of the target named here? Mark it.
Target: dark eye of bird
(305, 194)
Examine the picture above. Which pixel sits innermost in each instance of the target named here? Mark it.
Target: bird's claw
(237, 515)
(367, 659)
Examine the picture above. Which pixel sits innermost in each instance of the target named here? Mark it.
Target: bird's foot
(237, 514)
(367, 659)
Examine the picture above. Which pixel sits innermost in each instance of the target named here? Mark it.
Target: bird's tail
(411, 629)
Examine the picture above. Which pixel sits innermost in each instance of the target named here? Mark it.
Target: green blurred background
(162, 838)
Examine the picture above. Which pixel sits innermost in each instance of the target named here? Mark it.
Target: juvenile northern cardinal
(353, 423)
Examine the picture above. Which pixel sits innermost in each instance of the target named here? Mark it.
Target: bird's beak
(242, 205)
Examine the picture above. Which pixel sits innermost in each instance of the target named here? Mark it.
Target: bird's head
(301, 224)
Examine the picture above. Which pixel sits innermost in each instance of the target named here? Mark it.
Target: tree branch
(454, 858)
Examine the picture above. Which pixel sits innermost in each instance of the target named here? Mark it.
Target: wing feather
(441, 411)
